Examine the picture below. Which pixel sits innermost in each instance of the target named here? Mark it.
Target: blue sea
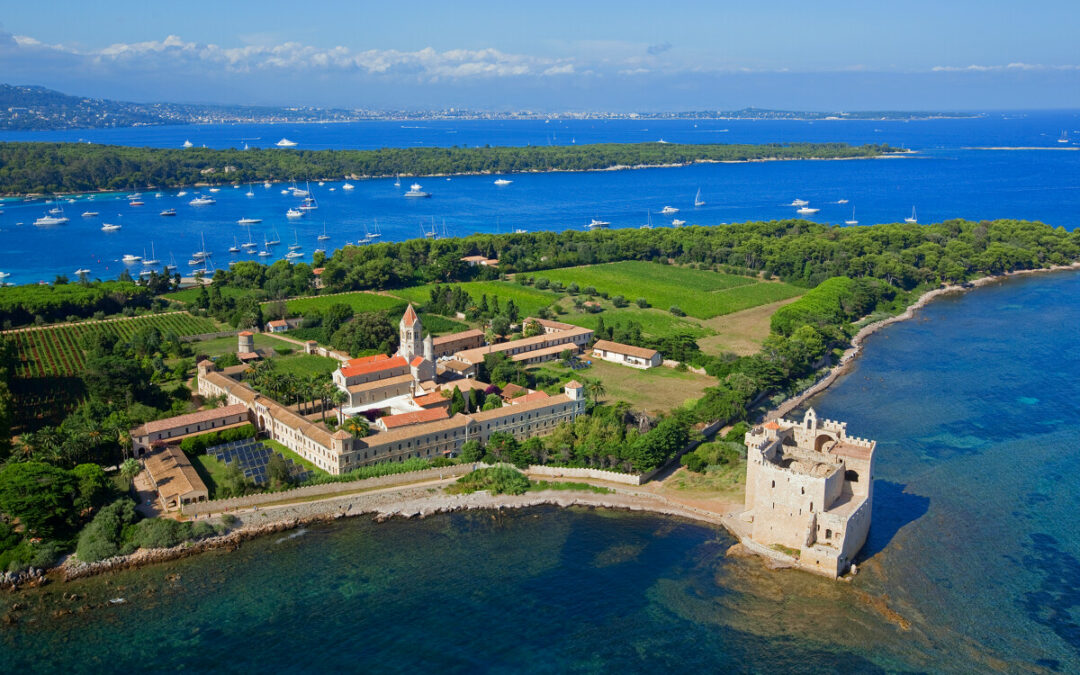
(973, 561)
(995, 166)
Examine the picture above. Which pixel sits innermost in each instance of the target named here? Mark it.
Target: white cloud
(426, 64)
(975, 68)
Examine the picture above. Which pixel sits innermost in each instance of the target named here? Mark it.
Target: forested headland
(28, 168)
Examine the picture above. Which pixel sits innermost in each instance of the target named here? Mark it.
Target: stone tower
(411, 335)
(245, 342)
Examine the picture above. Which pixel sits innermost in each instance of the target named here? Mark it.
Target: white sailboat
(1064, 137)
(249, 192)
(852, 221)
(249, 246)
(397, 181)
(648, 223)
(152, 260)
(296, 238)
(324, 236)
(276, 240)
(171, 267)
(913, 218)
(235, 248)
(698, 201)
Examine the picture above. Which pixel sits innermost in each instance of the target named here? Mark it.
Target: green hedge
(197, 445)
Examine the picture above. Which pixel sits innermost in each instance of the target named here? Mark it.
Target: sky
(553, 56)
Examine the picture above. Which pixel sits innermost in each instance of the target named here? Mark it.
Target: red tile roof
(410, 316)
(366, 359)
(196, 418)
(429, 400)
(373, 367)
(528, 398)
(417, 360)
(279, 322)
(246, 333)
(418, 417)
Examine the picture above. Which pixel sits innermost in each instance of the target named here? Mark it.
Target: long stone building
(403, 385)
(809, 491)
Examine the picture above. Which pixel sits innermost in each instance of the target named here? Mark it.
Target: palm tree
(339, 398)
(130, 468)
(357, 426)
(595, 390)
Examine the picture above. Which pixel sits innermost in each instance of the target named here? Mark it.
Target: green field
(306, 365)
(529, 300)
(297, 459)
(654, 390)
(188, 295)
(211, 470)
(700, 293)
(228, 345)
(654, 322)
(360, 301)
(55, 352)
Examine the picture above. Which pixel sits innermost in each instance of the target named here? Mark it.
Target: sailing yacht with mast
(698, 201)
(852, 221)
(324, 236)
(913, 218)
(152, 260)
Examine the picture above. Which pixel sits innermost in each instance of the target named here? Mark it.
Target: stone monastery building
(809, 491)
(403, 386)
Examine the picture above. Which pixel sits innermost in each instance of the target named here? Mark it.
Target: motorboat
(78, 273)
(806, 211)
(187, 144)
(215, 189)
(841, 201)
(798, 202)
(596, 224)
(129, 258)
(202, 201)
(321, 183)
(678, 223)
(294, 213)
(521, 231)
(182, 193)
(90, 214)
(286, 143)
(668, 210)
(266, 184)
(158, 195)
(56, 210)
(248, 221)
(47, 220)
(109, 228)
(415, 192)
(502, 181)
(168, 212)
(136, 202)
(348, 186)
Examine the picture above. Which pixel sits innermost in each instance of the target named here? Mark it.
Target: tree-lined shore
(46, 168)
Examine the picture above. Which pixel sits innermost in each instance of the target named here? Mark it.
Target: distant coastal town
(36, 108)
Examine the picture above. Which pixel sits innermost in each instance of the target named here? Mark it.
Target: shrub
(543, 283)
(283, 351)
(159, 533)
(229, 520)
(495, 479)
(104, 536)
(619, 301)
(642, 303)
(677, 311)
(737, 433)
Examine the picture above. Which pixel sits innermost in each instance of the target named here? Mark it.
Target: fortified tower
(809, 492)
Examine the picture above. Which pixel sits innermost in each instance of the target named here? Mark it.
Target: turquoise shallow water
(973, 561)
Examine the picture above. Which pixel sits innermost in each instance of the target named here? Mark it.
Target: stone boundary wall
(595, 474)
(326, 489)
(209, 336)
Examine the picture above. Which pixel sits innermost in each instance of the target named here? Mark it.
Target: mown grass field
(360, 301)
(528, 299)
(55, 351)
(228, 345)
(654, 322)
(305, 365)
(700, 293)
(654, 390)
(189, 295)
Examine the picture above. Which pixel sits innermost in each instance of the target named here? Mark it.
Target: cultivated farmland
(360, 301)
(54, 351)
(700, 293)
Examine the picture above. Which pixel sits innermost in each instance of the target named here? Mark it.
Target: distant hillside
(29, 108)
(26, 108)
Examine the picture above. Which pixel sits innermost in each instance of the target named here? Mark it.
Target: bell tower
(411, 333)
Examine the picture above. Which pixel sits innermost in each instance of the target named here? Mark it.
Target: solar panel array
(252, 457)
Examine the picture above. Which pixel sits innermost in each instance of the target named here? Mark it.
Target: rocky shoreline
(855, 349)
(406, 503)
